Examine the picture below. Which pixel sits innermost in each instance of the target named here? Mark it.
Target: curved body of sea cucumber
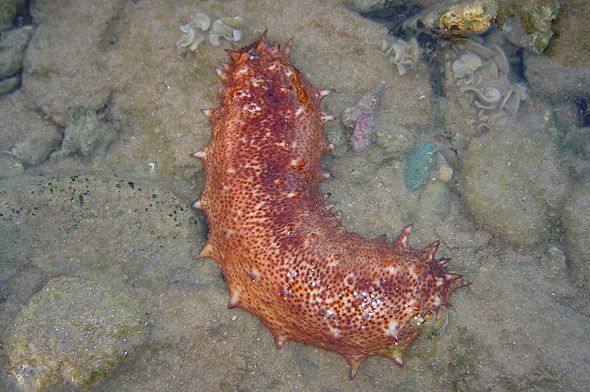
(286, 257)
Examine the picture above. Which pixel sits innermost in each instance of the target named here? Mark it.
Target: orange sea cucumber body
(286, 257)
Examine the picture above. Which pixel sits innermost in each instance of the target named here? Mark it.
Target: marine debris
(224, 28)
(451, 19)
(404, 54)
(361, 118)
(200, 27)
(480, 74)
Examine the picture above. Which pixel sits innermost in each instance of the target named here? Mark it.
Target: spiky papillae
(286, 256)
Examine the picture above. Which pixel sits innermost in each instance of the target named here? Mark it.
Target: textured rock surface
(12, 47)
(577, 233)
(71, 332)
(8, 10)
(26, 136)
(572, 81)
(86, 133)
(505, 187)
(65, 67)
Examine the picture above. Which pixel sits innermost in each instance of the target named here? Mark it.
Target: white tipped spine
(199, 155)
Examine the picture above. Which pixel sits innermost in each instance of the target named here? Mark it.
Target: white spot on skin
(390, 269)
(254, 274)
(242, 70)
(330, 313)
(439, 282)
(335, 332)
(242, 94)
(237, 216)
(256, 82)
(392, 329)
(300, 110)
(288, 73)
(252, 107)
(326, 117)
(235, 298)
(350, 279)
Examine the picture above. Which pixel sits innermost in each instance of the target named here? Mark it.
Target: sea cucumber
(285, 255)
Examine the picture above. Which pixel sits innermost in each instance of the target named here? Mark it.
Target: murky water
(480, 139)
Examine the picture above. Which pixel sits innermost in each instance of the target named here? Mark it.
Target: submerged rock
(26, 135)
(533, 18)
(9, 84)
(12, 50)
(576, 222)
(419, 165)
(8, 9)
(72, 331)
(550, 79)
(435, 199)
(505, 186)
(395, 138)
(86, 133)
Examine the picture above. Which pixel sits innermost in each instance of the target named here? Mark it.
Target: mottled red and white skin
(285, 255)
